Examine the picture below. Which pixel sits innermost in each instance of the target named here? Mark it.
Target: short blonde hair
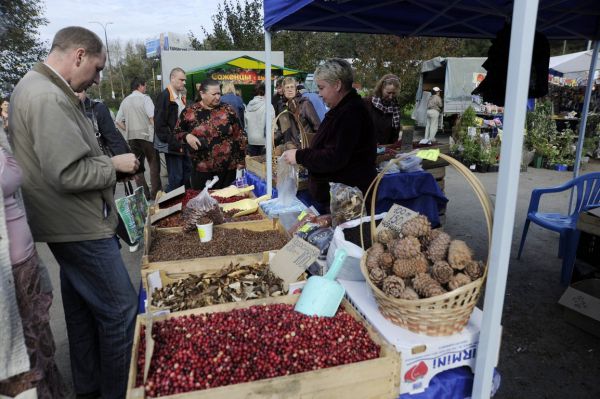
(386, 80)
(335, 69)
(228, 88)
(289, 80)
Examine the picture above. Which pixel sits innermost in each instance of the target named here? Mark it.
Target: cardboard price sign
(395, 218)
(293, 259)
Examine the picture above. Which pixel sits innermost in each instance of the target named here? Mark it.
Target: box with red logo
(422, 356)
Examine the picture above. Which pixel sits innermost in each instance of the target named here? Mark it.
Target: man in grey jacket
(68, 192)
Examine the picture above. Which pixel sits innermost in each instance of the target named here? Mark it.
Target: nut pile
(176, 246)
(233, 283)
(174, 220)
(421, 263)
(223, 200)
(210, 350)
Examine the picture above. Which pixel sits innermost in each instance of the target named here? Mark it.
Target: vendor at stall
(384, 110)
(215, 138)
(344, 148)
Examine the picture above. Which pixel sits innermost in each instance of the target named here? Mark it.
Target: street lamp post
(112, 89)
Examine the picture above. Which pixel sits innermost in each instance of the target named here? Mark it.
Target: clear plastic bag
(202, 206)
(346, 203)
(287, 182)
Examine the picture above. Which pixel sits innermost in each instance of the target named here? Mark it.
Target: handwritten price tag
(430, 155)
(395, 218)
(293, 259)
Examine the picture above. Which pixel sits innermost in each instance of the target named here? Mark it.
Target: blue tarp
(568, 19)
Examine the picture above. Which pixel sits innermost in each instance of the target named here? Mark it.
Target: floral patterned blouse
(223, 144)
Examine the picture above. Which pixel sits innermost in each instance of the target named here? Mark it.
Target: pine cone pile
(421, 262)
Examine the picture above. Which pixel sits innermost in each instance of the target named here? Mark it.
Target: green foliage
(21, 46)
(472, 152)
(466, 120)
(541, 129)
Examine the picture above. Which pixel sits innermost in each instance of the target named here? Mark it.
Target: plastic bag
(202, 206)
(287, 182)
(411, 164)
(346, 203)
(321, 238)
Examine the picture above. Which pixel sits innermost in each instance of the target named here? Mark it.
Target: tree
(21, 45)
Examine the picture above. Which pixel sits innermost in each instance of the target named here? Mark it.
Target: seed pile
(176, 246)
(174, 220)
(223, 200)
(198, 352)
(233, 283)
(229, 216)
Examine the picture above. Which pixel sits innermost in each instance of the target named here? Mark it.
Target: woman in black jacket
(384, 109)
(344, 148)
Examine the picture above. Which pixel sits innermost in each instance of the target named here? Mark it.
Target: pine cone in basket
(386, 261)
(373, 255)
(405, 268)
(405, 248)
(438, 247)
(458, 280)
(418, 226)
(386, 236)
(377, 276)
(409, 294)
(459, 254)
(393, 286)
(429, 237)
(426, 286)
(474, 269)
(442, 272)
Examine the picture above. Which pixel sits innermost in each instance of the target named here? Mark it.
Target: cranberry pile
(205, 351)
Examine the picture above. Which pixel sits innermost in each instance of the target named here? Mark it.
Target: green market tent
(243, 71)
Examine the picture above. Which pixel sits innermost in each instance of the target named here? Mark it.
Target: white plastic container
(205, 232)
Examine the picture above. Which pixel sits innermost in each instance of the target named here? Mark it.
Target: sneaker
(135, 247)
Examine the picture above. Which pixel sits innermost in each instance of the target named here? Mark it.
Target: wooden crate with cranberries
(262, 349)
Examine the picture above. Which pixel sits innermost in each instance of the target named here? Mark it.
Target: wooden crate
(370, 379)
(254, 225)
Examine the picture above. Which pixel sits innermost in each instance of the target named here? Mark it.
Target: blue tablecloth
(452, 384)
(416, 190)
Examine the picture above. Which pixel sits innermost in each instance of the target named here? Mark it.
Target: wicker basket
(440, 315)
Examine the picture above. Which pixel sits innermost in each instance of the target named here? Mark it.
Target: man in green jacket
(68, 191)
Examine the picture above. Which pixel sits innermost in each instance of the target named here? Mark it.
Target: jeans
(179, 168)
(100, 307)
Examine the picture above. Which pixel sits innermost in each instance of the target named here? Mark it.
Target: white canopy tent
(574, 65)
(558, 19)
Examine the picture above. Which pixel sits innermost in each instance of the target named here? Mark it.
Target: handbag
(133, 211)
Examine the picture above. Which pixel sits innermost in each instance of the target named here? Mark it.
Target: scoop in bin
(322, 295)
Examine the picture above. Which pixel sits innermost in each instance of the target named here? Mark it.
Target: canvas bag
(133, 210)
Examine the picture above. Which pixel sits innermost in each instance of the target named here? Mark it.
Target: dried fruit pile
(174, 220)
(229, 216)
(189, 194)
(205, 351)
(233, 283)
(176, 246)
(421, 263)
(223, 200)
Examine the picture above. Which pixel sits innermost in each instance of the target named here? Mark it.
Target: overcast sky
(131, 19)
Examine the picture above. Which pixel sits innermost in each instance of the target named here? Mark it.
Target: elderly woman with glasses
(384, 110)
(344, 148)
(303, 110)
(214, 136)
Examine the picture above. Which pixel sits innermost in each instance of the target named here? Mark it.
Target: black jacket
(166, 114)
(343, 150)
(111, 137)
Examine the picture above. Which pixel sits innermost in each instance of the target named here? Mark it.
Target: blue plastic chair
(587, 196)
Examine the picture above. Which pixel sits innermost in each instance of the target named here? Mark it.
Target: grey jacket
(67, 181)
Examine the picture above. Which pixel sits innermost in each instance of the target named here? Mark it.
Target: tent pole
(586, 106)
(268, 117)
(517, 83)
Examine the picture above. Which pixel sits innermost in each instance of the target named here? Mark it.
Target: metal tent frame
(557, 19)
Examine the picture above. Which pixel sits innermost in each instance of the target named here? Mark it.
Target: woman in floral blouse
(216, 141)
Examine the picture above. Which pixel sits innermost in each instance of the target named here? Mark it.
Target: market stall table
(418, 191)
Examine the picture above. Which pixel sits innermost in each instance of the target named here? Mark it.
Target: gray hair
(73, 37)
(335, 69)
(174, 71)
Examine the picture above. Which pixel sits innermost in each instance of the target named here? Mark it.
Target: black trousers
(199, 179)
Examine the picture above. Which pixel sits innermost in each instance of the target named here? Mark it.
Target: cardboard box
(422, 356)
(582, 305)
